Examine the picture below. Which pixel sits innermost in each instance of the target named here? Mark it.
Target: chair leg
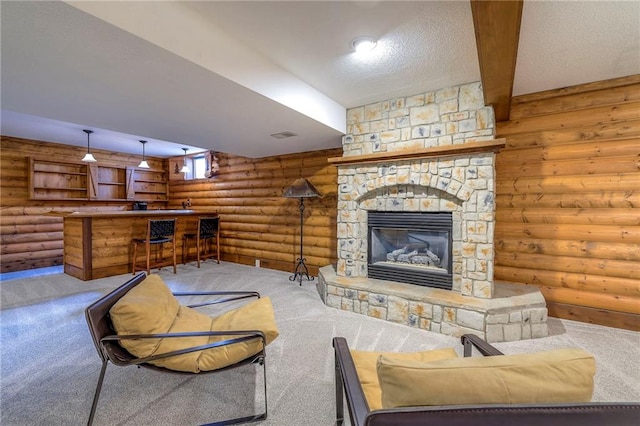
(173, 246)
(184, 250)
(135, 253)
(256, 417)
(96, 396)
(148, 250)
(218, 247)
(339, 396)
(198, 249)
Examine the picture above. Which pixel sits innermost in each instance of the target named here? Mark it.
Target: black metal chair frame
(159, 232)
(107, 341)
(208, 229)
(580, 414)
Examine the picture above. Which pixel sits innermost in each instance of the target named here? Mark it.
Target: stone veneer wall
(448, 116)
(463, 185)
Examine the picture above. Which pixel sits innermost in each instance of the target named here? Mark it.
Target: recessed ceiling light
(363, 44)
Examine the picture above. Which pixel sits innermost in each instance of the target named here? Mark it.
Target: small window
(199, 167)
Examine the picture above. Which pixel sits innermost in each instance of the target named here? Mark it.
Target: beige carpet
(49, 367)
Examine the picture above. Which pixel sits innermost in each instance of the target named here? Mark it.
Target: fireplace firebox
(413, 248)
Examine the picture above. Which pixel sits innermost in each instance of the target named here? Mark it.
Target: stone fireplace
(416, 218)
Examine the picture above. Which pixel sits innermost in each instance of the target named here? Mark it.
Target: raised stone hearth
(434, 153)
(515, 312)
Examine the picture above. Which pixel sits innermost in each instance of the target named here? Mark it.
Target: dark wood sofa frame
(582, 414)
(107, 344)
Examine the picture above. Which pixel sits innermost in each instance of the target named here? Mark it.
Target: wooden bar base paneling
(98, 245)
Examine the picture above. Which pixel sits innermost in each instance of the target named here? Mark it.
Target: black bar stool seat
(208, 230)
(159, 232)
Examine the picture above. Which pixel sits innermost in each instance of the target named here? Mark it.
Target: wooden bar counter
(98, 244)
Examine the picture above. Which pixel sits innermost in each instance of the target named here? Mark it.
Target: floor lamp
(301, 189)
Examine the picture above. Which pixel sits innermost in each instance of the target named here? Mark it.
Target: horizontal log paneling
(579, 265)
(573, 183)
(589, 165)
(579, 216)
(613, 234)
(591, 149)
(592, 315)
(569, 118)
(589, 249)
(574, 284)
(599, 132)
(28, 236)
(554, 105)
(595, 86)
(256, 222)
(602, 199)
(568, 200)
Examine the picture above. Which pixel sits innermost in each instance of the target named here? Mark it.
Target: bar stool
(159, 232)
(208, 228)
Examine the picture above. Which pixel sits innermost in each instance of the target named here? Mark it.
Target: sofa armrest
(347, 379)
(470, 341)
(584, 414)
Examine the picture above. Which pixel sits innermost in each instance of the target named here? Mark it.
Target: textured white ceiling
(225, 75)
(422, 46)
(564, 43)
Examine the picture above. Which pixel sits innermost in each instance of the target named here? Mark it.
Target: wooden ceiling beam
(497, 28)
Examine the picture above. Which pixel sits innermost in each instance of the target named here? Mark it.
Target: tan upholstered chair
(159, 232)
(207, 240)
(439, 388)
(141, 323)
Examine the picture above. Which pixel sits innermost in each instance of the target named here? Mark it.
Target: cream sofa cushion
(556, 376)
(366, 362)
(151, 308)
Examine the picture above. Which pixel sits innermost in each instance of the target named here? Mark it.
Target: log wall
(256, 222)
(28, 237)
(568, 200)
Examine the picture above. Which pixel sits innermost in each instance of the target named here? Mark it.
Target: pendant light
(185, 168)
(143, 164)
(89, 158)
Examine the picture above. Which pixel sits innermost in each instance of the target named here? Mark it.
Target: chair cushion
(366, 361)
(556, 376)
(150, 307)
(257, 315)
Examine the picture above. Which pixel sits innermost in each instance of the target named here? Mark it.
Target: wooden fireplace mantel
(494, 145)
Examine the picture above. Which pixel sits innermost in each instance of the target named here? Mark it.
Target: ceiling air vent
(283, 135)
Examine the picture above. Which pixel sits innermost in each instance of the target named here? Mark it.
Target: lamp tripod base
(301, 271)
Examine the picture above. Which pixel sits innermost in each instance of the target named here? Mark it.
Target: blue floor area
(32, 273)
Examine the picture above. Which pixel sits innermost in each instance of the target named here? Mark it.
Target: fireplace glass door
(412, 248)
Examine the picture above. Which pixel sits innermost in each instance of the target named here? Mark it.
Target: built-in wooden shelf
(494, 145)
(59, 180)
